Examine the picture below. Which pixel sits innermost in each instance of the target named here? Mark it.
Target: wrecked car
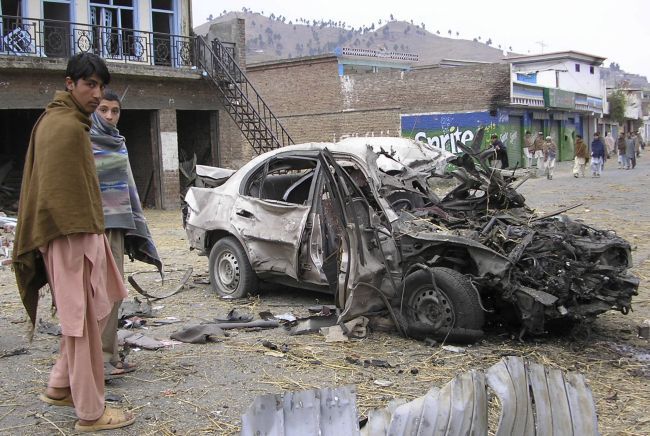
(359, 219)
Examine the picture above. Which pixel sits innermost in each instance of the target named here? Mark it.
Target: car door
(363, 273)
(270, 223)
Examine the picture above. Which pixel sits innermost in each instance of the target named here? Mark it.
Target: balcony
(21, 36)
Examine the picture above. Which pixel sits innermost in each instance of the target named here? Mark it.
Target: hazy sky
(616, 29)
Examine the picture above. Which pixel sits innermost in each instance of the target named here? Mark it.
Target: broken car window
(283, 179)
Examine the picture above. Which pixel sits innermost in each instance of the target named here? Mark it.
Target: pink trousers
(85, 284)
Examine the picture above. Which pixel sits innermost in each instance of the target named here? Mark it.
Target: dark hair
(527, 132)
(579, 136)
(84, 65)
(494, 136)
(110, 95)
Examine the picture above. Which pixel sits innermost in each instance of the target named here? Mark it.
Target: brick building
(315, 103)
(324, 98)
(172, 109)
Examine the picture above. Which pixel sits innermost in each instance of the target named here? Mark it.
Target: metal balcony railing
(20, 36)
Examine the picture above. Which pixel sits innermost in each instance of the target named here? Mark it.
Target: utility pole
(542, 44)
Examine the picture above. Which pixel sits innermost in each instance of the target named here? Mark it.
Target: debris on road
(356, 328)
(532, 399)
(7, 235)
(202, 333)
(14, 352)
(644, 329)
(161, 293)
(140, 340)
(48, 328)
(312, 324)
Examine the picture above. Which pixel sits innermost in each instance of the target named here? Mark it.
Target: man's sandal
(112, 372)
(110, 419)
(126, 367)
(65, 401)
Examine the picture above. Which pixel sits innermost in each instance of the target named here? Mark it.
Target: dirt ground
(193, 389)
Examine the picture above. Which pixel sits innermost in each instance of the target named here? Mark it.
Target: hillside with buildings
(271, 38)
(274, 37)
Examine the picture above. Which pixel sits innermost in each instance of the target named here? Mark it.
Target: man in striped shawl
(126, 227)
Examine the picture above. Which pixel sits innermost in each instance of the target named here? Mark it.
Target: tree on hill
(457, 34)
(449, 32)
(392, 18)
(210, 17)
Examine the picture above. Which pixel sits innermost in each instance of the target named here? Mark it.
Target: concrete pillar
(170, 185)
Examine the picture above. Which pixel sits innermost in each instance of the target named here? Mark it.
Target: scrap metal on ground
(532, 399)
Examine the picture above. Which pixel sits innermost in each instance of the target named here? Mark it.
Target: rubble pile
(7, 232)
(561, 268)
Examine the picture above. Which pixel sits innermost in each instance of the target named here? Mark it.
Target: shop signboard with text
(446, 130)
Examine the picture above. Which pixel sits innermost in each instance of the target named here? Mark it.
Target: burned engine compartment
(559, 269)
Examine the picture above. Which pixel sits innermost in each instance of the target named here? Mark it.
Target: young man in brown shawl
(581, 157)
(60, 240)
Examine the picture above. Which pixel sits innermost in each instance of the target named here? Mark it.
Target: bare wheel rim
(433, 307)
(228, 272)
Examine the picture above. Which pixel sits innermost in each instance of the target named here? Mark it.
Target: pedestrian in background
(550, 153)
(60, 240)
(597, 155)
(125, 224)
(610, 146)
(630, 151)
(538, 152)
(621, 146)
(637, 143)
(500, 150)
(581, 157)
(528, 146)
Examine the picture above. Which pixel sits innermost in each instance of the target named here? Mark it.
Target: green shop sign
(559, 98)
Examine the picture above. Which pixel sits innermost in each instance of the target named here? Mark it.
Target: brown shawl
(59, 194)
(581, 149)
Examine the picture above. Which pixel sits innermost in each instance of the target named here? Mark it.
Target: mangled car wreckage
(358, 219)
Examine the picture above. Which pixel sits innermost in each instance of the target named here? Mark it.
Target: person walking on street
(528, 147)
(597, 155)
(60, 240)
(538, 152)
(621, 145)
(581, 157)
(500, 150)
(550, 153)
(125, 224)
(610, 146)
(630, 151)
(637, 143)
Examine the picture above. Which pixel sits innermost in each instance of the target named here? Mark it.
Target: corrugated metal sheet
(534, 400)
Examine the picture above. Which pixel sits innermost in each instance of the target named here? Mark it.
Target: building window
(591, 69)
(113, 25)
(577, 68)
(163, 19)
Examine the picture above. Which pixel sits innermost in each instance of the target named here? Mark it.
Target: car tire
(453, 305)
(231, 274)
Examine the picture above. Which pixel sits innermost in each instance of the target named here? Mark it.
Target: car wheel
(452, 304)
(231, 273)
